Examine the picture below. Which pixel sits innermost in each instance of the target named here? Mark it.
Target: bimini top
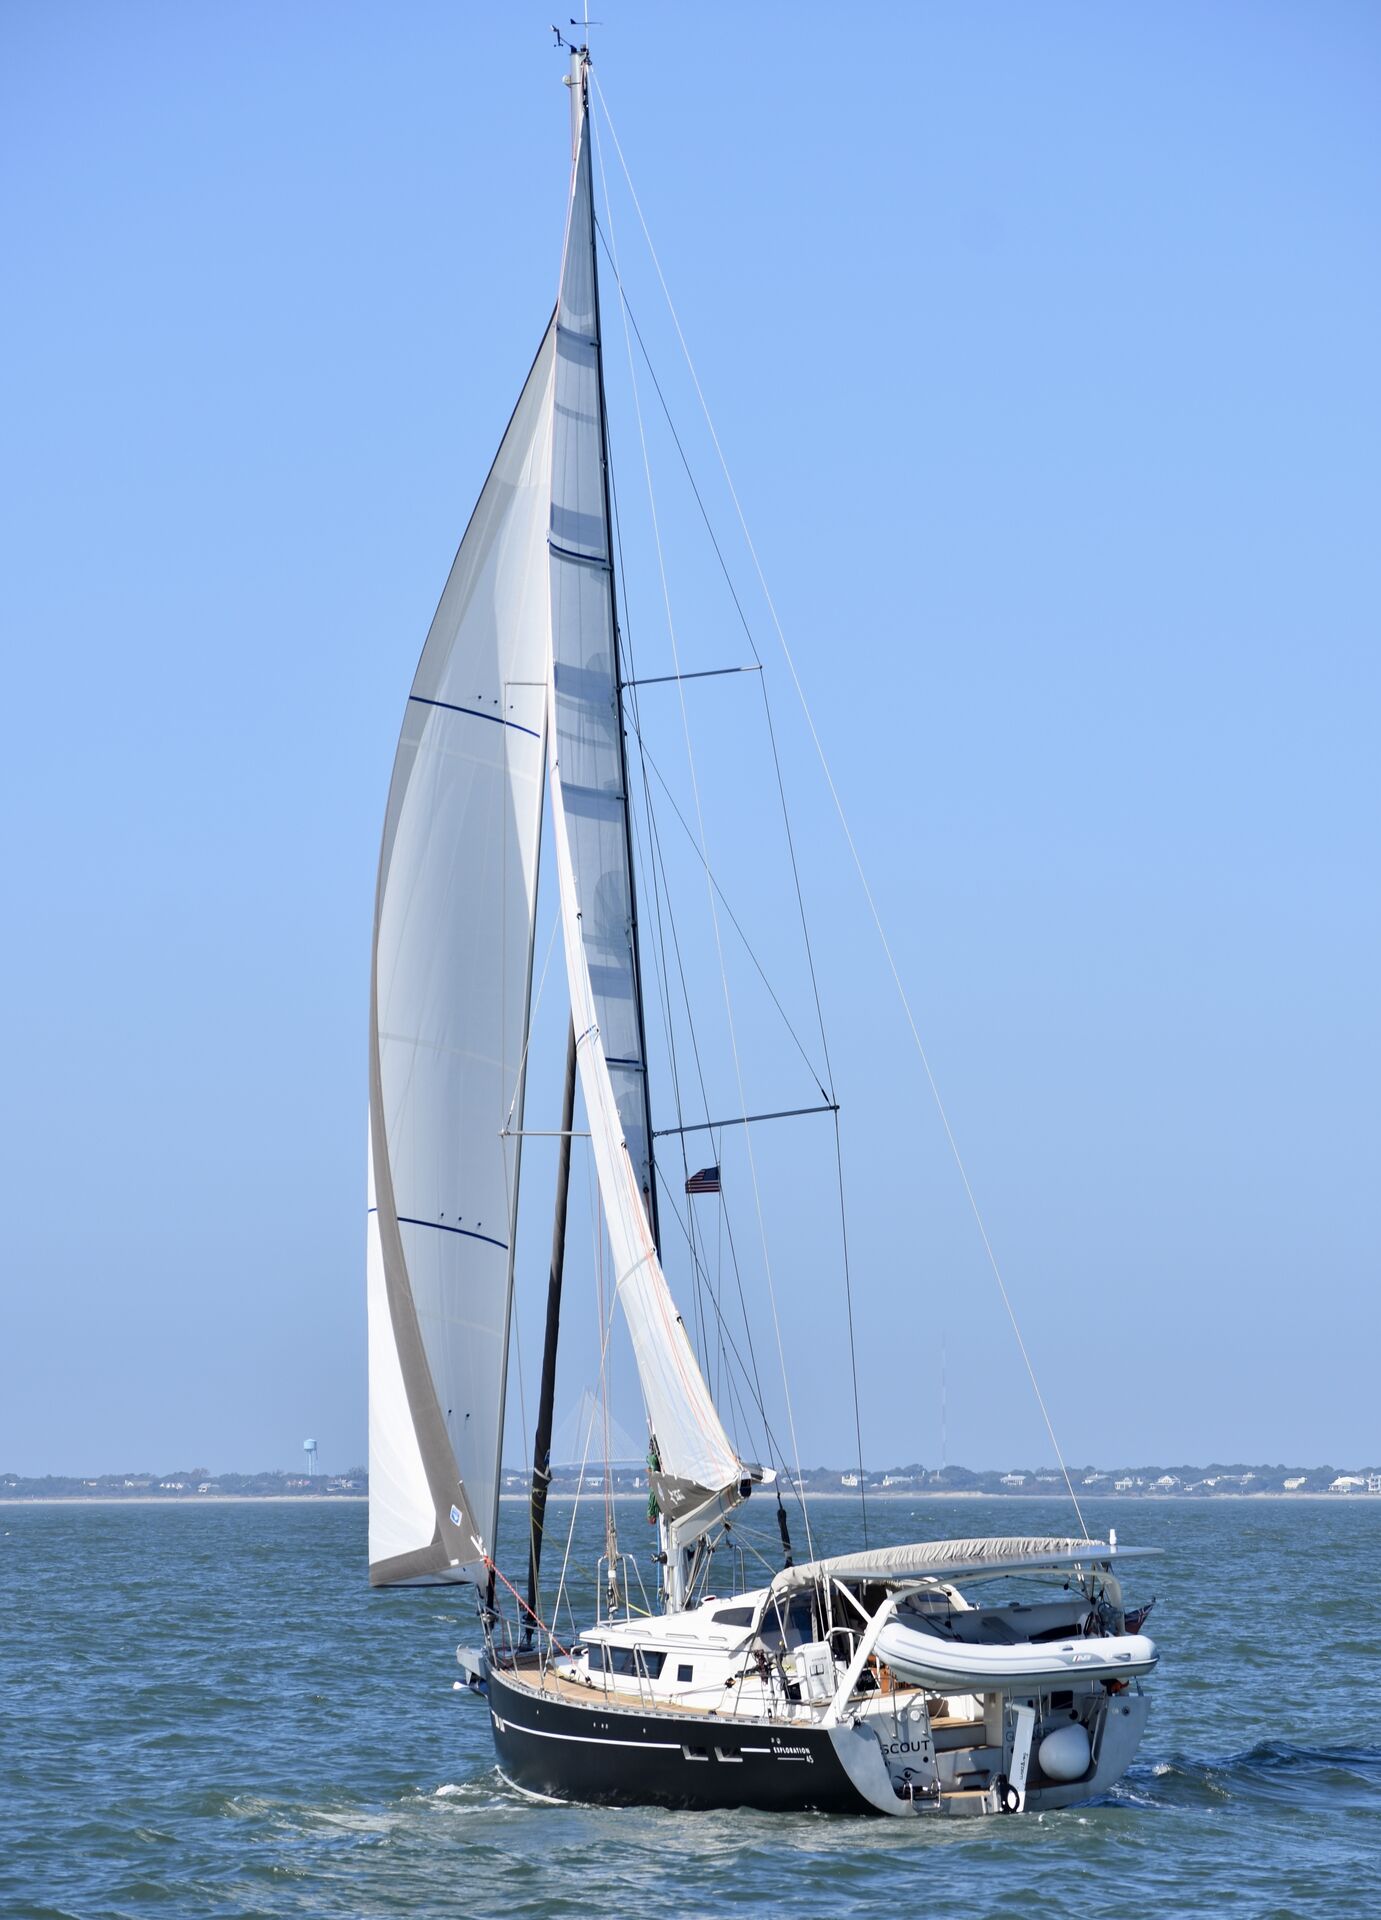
(954, 1559)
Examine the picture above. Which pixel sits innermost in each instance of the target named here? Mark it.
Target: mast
(697, 1473)
(541, 1448)
(650, 1190)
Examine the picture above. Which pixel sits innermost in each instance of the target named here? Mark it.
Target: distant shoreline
(182, 1499)
(887, 1495)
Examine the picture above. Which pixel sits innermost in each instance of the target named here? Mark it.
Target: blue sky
(1042, 343)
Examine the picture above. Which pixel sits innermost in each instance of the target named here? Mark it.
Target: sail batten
(454, 921)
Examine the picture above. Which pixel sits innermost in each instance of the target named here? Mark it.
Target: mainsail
(590, 830)
(448, 1023)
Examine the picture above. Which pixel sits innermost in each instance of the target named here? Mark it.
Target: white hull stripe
(585, 1739)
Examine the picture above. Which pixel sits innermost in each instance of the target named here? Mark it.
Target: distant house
(1092, 1479)
(848, 1479)
(1374, 1483)
(1014, 1479)
(1124, 1486)
(171, 1486)
(1298, 1480)
(1347, 1483)
(1168, 1480)
(898, 1479)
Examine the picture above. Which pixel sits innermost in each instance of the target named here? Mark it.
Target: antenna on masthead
(584, 26)
(575, 79)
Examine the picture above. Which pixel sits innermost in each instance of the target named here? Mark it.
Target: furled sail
(591, 836)
(448, 1019)
(587, 703)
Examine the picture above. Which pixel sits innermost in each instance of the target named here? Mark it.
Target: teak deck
(547, 1681)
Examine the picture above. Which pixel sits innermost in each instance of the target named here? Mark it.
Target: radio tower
(309, 1448)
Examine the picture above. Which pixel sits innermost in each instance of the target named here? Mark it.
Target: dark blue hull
(627, 1756)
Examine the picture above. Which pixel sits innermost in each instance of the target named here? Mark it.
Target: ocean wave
(1274, 1770)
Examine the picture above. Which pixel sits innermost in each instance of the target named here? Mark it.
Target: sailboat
(904, 1681)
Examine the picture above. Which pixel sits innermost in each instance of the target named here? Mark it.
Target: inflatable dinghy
(927, 1659)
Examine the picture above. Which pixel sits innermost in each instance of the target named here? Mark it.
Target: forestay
(449, 1006)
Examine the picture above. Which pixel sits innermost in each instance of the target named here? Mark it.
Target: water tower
(309, 1448)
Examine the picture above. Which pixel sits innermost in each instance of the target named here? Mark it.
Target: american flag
(706, 1181)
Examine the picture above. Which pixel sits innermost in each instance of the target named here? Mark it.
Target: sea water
(205, 1711)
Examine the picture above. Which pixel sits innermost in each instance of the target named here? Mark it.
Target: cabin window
(630, 1660)
(634, 1660)
(733, 1617)
(684, 1672)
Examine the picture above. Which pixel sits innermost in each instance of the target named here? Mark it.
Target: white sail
(587, 703)
(448, 1019)
(691, 1442)
(591, 835)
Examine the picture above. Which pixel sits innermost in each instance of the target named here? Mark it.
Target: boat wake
(490, 1791)
(1276, 1771)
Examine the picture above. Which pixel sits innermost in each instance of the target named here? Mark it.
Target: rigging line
(532, 1021)
(843, 818)
(515, 1320)
(603, 1384)
(596, 1208)
(838, 1136)
(656, 842)
(657, 886)
(525, 1608)
(570, 1531)
(624, 639)
(753, 1382)
(748, 634)
(775, 1451)
(662, 887)
(659, 856)
(849, 1309)
(714, 915)
(664, 995)
(815, 1074)
(791, 851)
